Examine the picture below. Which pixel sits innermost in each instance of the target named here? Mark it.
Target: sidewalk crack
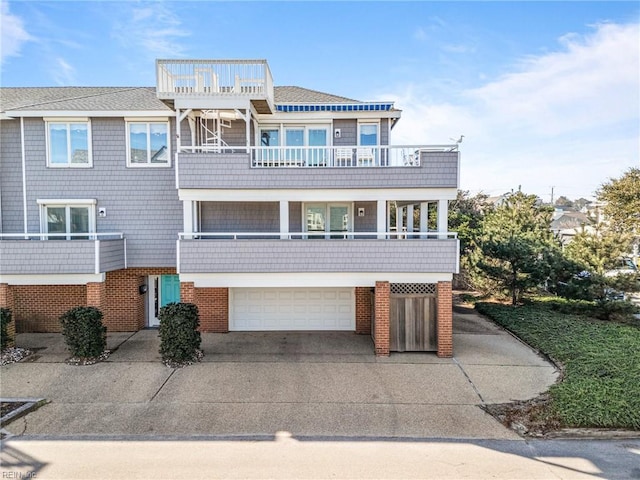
(163, 384)
(455, 360)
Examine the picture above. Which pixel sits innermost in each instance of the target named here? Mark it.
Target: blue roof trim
(337, 107)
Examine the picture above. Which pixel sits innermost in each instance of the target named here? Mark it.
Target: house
(268, 207)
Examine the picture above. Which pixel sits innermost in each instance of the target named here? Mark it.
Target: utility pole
(552, 187)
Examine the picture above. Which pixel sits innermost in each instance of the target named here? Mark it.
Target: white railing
(311, 235)
(329, 156)
(219, 77)
(62, 236)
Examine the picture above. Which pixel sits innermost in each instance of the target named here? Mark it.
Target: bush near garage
(179, 336)
(5, 320)
(84, 333)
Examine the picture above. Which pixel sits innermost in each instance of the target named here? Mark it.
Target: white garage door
(291, 309)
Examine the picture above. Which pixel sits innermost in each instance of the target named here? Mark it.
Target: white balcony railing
(213, 77)
(314, 235)
(328, 156)
(62, 236)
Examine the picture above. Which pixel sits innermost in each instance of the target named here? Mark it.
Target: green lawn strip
(601, 360)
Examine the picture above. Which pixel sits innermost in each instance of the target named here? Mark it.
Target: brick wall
(213, 306)
(39, 307)
(6, 301)
(445, 320)
(381, 335)
(363, 310)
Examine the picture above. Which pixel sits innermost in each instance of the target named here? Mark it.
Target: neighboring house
(268, 207)
(566, 224)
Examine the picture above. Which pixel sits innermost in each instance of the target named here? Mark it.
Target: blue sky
(546, 93)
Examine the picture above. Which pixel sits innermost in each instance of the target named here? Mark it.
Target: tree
(563, 201)
(598, 250)
(516, 244)
(622, 202)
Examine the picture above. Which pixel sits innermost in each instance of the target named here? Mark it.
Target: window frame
(148, 123)
(67, 204)
(68, 122)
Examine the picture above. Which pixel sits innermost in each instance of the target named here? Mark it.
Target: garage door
(291, 309)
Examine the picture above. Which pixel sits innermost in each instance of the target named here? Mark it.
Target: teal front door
(169, 289)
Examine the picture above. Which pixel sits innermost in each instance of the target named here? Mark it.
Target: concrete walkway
(305, 384)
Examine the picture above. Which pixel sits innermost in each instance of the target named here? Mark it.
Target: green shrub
(179, 335)
(83, 332)
(615, 310)
(5, 320)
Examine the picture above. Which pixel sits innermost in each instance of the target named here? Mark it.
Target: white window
(333, 219)
(68, 143)
(148, 144)
(67, 219)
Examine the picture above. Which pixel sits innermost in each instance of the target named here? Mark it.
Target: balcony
(216, 83)
(412, 166)
(52, 254)
(305, 252)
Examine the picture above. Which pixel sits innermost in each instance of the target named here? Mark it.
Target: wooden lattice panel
(413, 288)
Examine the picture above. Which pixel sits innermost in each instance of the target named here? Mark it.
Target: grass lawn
(601, 361)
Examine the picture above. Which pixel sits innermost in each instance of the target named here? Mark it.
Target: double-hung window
(68, 143)
(67, 219)
(148, 144)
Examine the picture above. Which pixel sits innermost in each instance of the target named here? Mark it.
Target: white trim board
(318, 194)
(49, 279)
(329, 279)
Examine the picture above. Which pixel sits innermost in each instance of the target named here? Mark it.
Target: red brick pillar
(381, 337)
(187, 292)
(7, 300)
(363, 310)
(445, 320)
(213, 306)
(97, 295)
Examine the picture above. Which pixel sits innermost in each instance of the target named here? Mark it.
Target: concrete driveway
(305, 384)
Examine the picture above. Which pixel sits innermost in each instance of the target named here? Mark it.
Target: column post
(284, 219)
(381, 219)
(443, 217)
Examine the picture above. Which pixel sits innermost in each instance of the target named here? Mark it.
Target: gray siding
(295, 216)
(348, 132)
(437, 169)
(31, 257)
(240, 217)
(112, 255)
(141, 202)
(272, 256)
(369, 222)
(10, 177)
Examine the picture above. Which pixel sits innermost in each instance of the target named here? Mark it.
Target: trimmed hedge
(179, 335)
(5, 320)
(83, 332)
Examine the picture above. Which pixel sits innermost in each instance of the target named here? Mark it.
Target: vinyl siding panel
(10, 177)
(141, 202)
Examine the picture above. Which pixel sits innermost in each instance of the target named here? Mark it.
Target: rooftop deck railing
(62, 236)
(213, 77)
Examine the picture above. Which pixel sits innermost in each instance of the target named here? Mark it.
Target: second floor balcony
(318, 167)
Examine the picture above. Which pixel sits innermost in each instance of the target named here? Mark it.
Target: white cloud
(567, 118)
(63, 73)
(154, 28)
(12, 33)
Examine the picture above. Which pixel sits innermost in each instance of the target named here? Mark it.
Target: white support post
(424, 217)
(284, 219)
(409, 221)
(443, 214)
(247, 121)
(188, 213)
(399, 220)
(381, 219)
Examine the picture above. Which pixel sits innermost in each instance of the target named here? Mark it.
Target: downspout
(24, 177)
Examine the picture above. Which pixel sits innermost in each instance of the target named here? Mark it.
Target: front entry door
(163, 289)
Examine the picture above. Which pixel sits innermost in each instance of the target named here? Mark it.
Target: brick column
(363, 310)
(445, 320)
(7, 300)
(213, 305)
(187, 292)
(97, 295)
(381, 337)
